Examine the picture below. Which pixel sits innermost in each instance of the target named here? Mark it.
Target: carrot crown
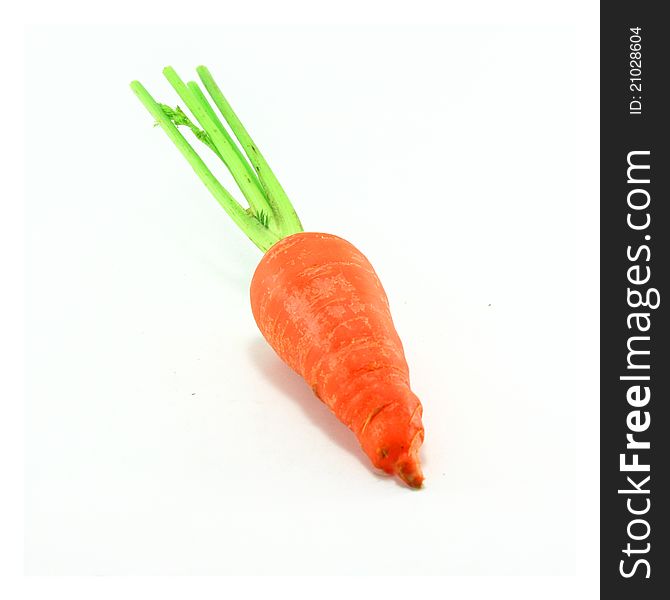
(269, 215)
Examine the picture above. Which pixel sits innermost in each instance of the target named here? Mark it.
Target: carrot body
(319, 303)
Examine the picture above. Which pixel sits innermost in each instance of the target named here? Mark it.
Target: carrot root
(319, 303)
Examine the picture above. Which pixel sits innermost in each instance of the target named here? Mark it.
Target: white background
(501, 473)
(164, 436)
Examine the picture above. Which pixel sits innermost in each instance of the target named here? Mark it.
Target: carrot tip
(408, 468)
(410, 472)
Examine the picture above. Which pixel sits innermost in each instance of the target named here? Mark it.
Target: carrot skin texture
(320, 305)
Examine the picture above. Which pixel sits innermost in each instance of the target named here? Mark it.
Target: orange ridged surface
(319, 303)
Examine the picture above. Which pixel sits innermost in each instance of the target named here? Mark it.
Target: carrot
(315, 298)
(318, 302)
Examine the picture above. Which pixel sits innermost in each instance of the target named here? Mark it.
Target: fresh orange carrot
(315, 298)
(319, 303)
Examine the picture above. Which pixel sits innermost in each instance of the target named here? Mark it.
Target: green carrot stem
(252, 227)
(287, 218)
(197, 92)
(257, 201)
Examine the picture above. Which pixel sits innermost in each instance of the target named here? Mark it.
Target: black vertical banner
(635, 297)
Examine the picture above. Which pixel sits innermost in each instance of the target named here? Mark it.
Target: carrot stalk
(260, 235)
(289, 222)
(257, 201)
(202, 99)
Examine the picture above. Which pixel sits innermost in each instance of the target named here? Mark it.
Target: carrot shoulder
(316, 299)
